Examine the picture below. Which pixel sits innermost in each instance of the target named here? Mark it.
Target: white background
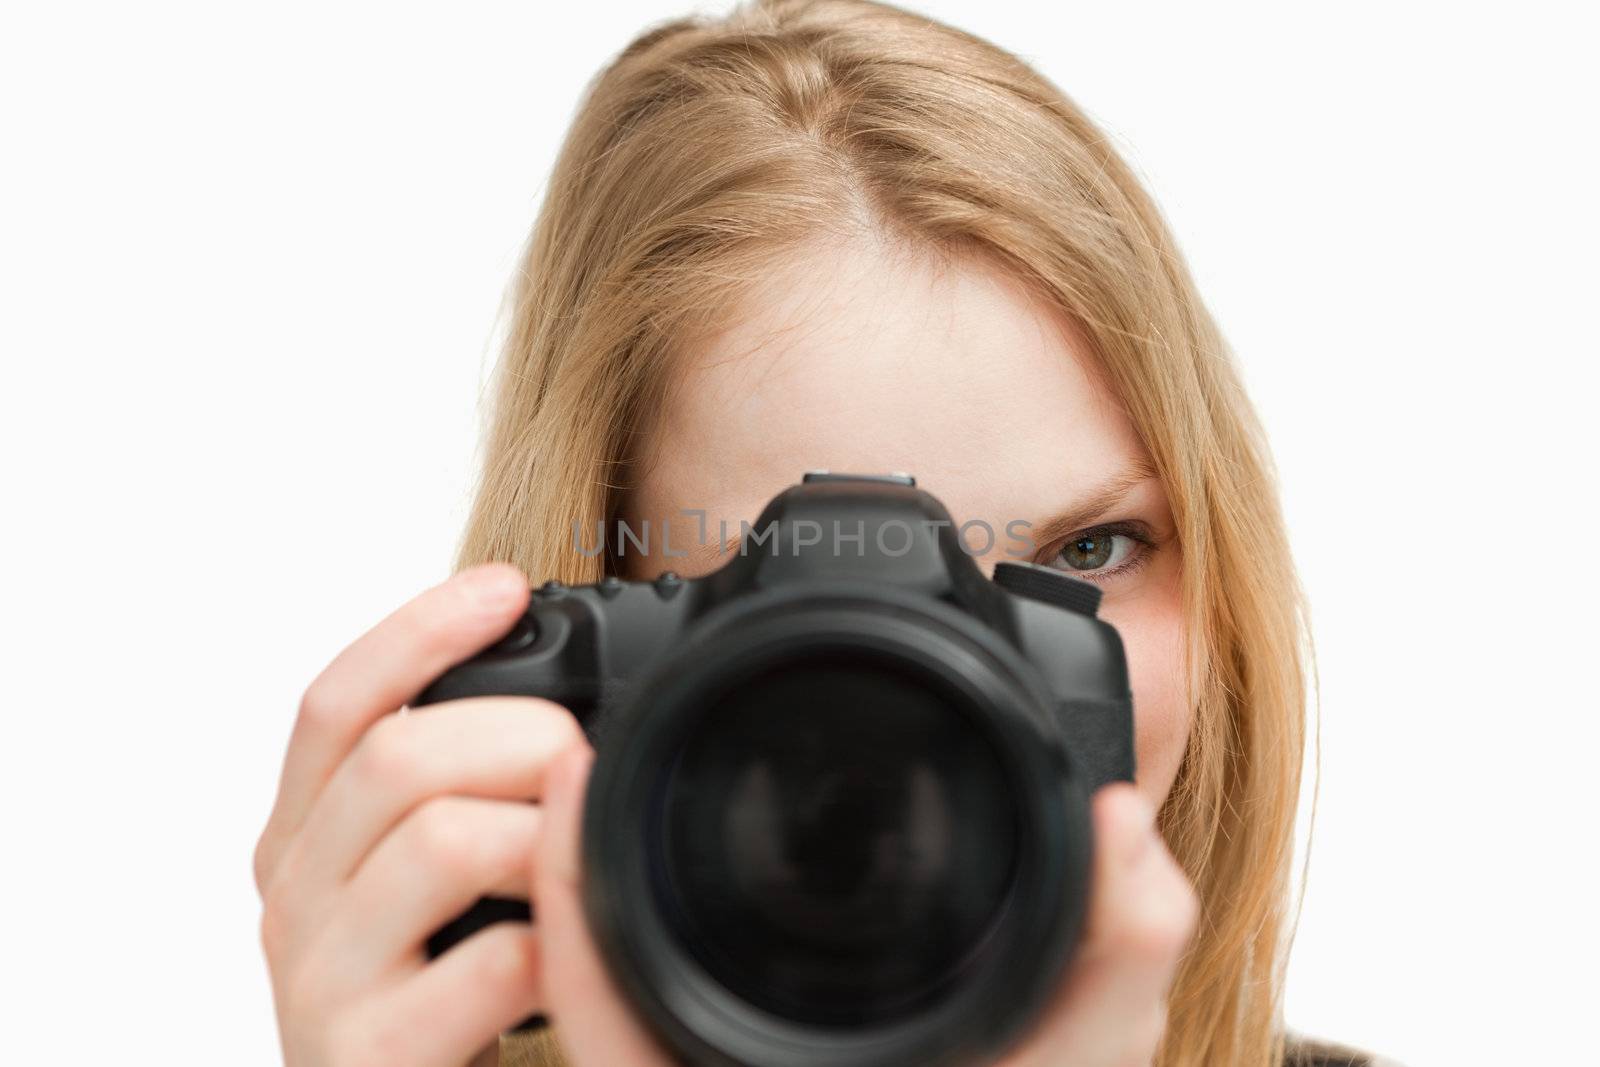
(250, 262)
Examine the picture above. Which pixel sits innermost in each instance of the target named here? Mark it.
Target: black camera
(839, 807)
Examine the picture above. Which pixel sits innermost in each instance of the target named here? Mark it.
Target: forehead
(856, 357)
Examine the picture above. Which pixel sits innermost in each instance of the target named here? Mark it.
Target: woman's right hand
(389, 823)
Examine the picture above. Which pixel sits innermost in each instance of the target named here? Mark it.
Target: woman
(823, 235)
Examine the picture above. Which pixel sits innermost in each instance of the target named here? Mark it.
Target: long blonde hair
(708, 148)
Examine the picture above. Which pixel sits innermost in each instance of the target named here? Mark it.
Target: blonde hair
(708, 148)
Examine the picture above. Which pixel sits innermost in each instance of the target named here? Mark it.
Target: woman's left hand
(1110, 1007)
(592, 1023)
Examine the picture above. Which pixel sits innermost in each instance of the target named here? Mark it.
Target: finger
(440, 859)
(595, 1023)
(490, 747)
(1111, 1003)
(449, 1010)
(1147, 910)
(378, 673)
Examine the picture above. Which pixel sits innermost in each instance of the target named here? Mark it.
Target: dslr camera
(838, 813)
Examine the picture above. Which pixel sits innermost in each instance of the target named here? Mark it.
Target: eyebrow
(711, 551)
(1094, 504)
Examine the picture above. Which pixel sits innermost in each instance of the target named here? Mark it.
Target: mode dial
(1049, 585)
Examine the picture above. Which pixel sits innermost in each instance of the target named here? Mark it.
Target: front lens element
(836, 837)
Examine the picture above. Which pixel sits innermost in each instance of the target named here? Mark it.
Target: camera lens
(835, 837)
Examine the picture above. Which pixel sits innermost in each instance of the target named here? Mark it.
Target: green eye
(1096, 552)
(1102, 552)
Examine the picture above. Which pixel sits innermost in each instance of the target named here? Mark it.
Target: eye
(1102, 552)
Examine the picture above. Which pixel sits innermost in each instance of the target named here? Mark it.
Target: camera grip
(486, 912)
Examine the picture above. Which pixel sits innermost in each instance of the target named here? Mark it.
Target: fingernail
(1144, 817)
(1136, 807)
(493, 589)
(577, 764)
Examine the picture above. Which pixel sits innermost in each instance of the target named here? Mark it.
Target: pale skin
(856, 357)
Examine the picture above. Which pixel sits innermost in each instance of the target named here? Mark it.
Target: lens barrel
(836, 829)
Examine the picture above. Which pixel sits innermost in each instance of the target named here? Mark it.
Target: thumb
(591, 1020)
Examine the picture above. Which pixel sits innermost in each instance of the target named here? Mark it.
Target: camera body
(588, 647)
(838, 812)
